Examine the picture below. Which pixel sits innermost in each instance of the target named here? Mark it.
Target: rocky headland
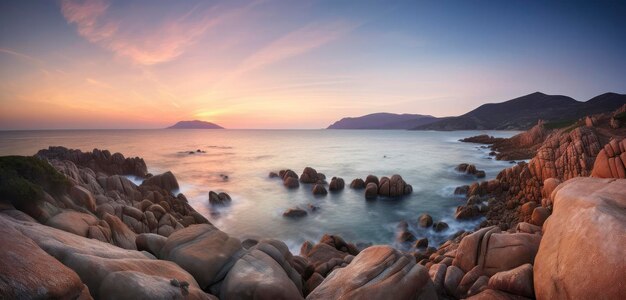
(74, 227)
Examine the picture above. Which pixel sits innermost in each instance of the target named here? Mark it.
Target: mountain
(195, 124)
(383, 121)
(524, 112)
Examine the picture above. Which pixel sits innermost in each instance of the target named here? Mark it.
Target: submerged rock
(336, 184)
(371, 191)
(319, 190)
(425, 220)
(295, 213)
(219, 199)
(357, 184)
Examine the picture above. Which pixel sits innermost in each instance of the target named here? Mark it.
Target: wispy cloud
(21, 56)
(144, 44)
(296, 43)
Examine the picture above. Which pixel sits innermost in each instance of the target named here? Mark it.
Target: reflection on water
(424, 159)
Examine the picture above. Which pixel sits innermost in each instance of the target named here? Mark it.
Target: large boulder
(357, 184)
(494, 251)
(611, 161)
(581, 255)
(336, 184)
(518, 281)
(378, 272)
(28, 272)
(309, 175)
(204, 251)
(108, 270)
(166, 181)
(73, 221)
(371, 191)
(264, 272)
(83, 197)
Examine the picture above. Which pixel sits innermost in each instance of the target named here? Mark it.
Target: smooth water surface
(425, 159)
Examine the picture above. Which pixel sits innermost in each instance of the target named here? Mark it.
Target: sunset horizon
(265, 64)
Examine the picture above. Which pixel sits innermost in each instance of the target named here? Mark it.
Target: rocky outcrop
(386, 187)
(583, 239)
(470, 169)
(611, 160)
(295, 212)
(310, 175)
(378, 272)
(336, 184)
(319, 190)
(98, 161)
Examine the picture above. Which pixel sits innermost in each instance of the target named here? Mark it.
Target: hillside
(383, 121)
(524, 112)
(195, 124)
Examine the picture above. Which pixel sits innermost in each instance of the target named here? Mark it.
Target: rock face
(611, 161)
(583, 239)
(378, 272)
(28, 272)
(98, 160)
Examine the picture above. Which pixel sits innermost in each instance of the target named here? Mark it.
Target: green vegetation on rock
(23, 180)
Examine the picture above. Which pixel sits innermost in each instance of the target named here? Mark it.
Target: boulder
(291, 182)
(440, 226)
(464, 212)
(357, 184)
(121, 235)
(73, 221)
(422, 243)
(452, 280)
(371, 191)
(437, 273)
(611, 161)
(425, 220)
(336, 184)
(203, 251)
(83, 197)
(539, 216)
(372, 179)
(581, 255)
(295, 213)
(28, 272)
(479, 285)
(518, 281)
(309, 175)
(264, 272)
(319, 190)
(166, 181)
(150, 242)
(489, 294)
(378, 272)
(220, 199)
(272, 175)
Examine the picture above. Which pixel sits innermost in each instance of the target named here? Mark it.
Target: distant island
(195, 124)
(520, 113)
(383, 121)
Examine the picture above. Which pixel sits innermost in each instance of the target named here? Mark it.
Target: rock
(295, 213)
(611, 161)
(527, 228)
(494, 252)
(540, 214)
(83, 197)
(264, 272)
(336, 184)
(319, 189)
(150, 242)
(284, 174)
(98, 160)
(469, 279)
(28, 272)
(313, 282)
(479, 285)
(549, 185)
(220, 199)
(440, 226)
(121, 235)
(422, 243)
(273, 175)
(405, 236)
(203, 251)
(489, 294)
(291, 182)
(357, 184)
(371, 191)
(518, 281)
(452, 280)
(371, 178)
(480, 174)
(74, 222)
(378, 272)
(166, 181)
(465, 212)
(105, 268)
(425, 220)
(581, 253)
(437, 273)
(461, 190)
(309, 175)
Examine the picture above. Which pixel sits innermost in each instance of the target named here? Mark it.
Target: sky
(83, 64)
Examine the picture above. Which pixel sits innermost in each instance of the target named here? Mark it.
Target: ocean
(425, 159)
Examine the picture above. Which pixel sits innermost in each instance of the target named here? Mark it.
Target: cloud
(295, 43)
(145, 44)
(21, 56)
